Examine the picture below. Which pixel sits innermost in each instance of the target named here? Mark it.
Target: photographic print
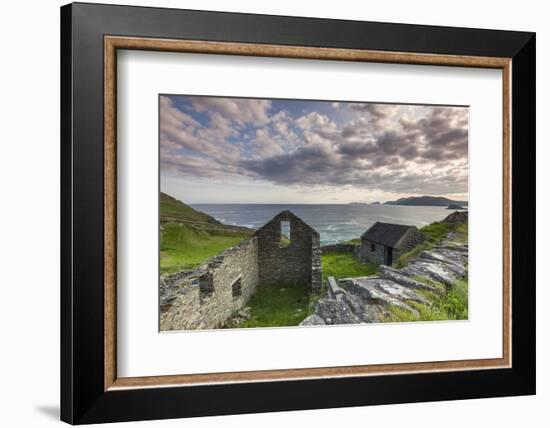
(289, 212)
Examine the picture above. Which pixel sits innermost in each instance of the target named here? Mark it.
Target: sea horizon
(335, 222)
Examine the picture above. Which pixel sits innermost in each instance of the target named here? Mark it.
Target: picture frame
(91, 35)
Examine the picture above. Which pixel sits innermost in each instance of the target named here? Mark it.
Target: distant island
(427, 201)
(455, 207)
(364, 203)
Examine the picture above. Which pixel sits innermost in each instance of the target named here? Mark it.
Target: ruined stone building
(383, 243)
(293, 259)
(206, 297)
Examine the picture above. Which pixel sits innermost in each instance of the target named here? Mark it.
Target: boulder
(395, 275)
(433, 256)
(313, 319)
(454, 248)
(334, 312)
(457, 256)
(375, 290)
(333, 289)
(245, 313)
(368, 312)
(399, 292)
(457, 217)
(436, 271)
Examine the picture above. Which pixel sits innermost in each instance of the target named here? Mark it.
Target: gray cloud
(401, 149)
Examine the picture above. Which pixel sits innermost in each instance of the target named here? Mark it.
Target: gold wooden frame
(113, 43)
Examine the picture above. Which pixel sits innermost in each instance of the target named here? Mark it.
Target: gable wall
(298, 262)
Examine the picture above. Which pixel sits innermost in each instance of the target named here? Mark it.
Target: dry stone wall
(206, 297)
(340, 248)
(296, 262)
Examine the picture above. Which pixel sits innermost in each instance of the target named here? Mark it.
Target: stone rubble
(367, 299)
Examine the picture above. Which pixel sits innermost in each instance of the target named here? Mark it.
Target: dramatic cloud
(394, 148)
(239, 110)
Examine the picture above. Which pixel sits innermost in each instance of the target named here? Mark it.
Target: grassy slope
(173, 208)
(186, 245)
(435, 232)
(453, 305)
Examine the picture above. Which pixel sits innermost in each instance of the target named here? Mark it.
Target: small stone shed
(289, 251)
(383, 243)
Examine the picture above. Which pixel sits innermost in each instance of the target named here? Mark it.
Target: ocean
(335, 223)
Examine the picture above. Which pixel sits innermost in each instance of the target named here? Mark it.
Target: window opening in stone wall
(373, 247)
(236, 289)
(206, 286)
(285, 234)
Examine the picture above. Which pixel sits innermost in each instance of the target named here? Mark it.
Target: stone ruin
(296, 261)
(206, 297)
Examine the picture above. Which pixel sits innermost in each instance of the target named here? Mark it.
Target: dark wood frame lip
(113, 43)
(88, 393)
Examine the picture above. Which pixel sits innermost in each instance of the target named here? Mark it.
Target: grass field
(345, 265)
(288, 305)
(278, 306)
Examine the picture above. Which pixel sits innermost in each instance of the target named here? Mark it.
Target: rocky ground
(370, 299)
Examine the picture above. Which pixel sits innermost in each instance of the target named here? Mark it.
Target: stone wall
(296, 262)
(206, 297)
(369, 256)
(316, 264)
(410, 239)
(340, 248)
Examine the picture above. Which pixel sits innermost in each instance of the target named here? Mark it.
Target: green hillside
(174, 209)
(189, 237)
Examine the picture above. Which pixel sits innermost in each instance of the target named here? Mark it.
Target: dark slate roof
(387, 234)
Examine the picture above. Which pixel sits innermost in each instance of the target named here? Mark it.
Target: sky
(244, 150)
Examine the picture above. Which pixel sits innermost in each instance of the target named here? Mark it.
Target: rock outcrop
(457, 217)
(455, 207)
(313, 319)
(368, 299)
